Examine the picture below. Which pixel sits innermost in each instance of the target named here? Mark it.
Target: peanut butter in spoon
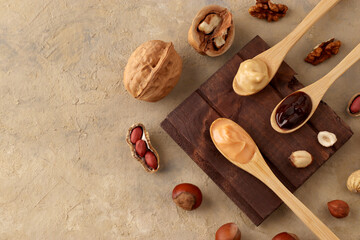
(238, 147)
(232, 141)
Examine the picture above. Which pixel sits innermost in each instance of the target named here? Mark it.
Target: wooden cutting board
(189, 126)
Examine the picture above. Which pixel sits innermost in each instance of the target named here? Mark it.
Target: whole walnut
(152, 71)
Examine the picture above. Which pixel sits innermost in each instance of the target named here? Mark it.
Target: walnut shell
(204, 43)
(146, 138)
(152, 71)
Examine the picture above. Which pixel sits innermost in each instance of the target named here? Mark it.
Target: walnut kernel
(212, 31)
(323, 51)
(265, 9)
(210, 23)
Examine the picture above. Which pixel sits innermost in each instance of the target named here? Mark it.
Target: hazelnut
(228, 231)
(338, 208)
(326, 139)
(212, 31)
(301, 159)
(187, 196)
(152, 71)
(353, 182)
(285, 236)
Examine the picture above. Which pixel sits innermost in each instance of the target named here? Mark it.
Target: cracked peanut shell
(145, 137)
(205, 43)
(152, 71)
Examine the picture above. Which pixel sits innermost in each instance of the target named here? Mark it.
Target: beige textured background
(65, 169)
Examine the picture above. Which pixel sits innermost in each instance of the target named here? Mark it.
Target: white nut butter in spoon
(232, 141)
(251, 77)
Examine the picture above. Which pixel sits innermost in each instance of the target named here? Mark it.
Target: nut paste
(251, 77)
(293, 110)
(232, 141)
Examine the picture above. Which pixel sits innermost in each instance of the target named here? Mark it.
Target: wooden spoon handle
(258, 167)
(310, 220)
(318, 88)
(306, 216)
(316, 13)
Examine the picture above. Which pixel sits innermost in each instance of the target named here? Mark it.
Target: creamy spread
(232, 140)
(251, 77)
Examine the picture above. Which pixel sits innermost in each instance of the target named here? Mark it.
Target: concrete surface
(65, 169)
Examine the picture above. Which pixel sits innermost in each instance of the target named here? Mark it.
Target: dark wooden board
(189, 126)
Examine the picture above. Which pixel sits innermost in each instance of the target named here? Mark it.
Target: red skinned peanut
(355, 105)
(140, 148)
(136, 134)
(151, 160)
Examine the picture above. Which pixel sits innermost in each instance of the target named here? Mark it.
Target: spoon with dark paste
(297, 108)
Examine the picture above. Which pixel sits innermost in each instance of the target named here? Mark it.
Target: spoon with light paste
(239, 148)
(297, 108)
(256, 73)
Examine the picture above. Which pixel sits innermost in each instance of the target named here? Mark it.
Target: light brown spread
(232, 140)
(251, 77)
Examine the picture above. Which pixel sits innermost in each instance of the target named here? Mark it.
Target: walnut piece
(219, 41)
(323, 51)
(265, 9)
(210, 23)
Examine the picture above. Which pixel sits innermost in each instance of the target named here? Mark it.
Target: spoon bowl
(274, 56)
(317, 90)
(232, 140)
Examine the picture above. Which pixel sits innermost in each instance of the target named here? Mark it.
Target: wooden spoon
(317, 89)
(255, 164)
(274, 56)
